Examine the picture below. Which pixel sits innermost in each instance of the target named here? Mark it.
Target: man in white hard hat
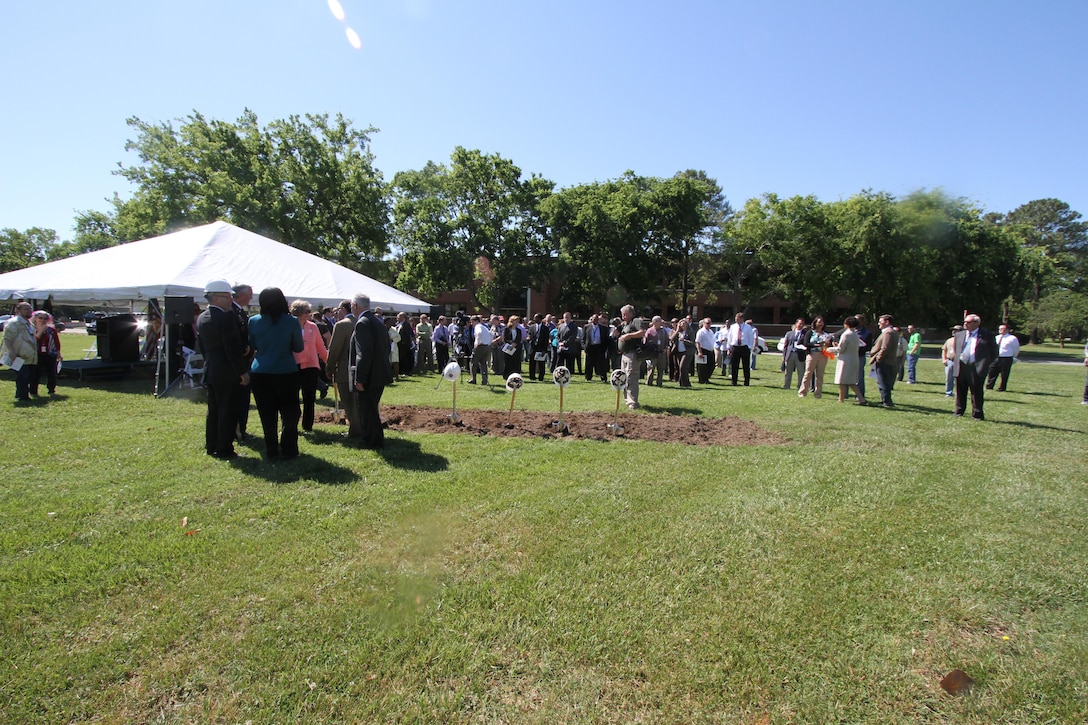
(226, 370)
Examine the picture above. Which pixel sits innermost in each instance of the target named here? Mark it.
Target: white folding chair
(194, 367)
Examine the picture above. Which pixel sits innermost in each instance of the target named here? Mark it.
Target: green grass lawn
(466, 579)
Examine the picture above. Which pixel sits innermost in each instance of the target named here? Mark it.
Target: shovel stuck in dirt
(337, 413)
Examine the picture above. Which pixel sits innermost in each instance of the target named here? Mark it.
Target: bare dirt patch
(690, 430)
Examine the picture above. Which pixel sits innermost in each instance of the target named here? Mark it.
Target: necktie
(967, 354)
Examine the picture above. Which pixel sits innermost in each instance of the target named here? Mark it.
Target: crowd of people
(288, 354)
(285, 353)
(974, 359)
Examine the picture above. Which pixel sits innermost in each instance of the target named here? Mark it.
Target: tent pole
(164, 358)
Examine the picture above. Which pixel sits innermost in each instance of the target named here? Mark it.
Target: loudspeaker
(179, 311)
(118, 338)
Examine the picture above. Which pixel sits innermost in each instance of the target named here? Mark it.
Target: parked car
(92, 318)
(4, 319)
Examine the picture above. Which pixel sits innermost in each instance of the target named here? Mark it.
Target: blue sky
(985, 100)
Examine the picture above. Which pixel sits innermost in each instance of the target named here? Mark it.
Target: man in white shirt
(721, 349)
(741, 342)
(755, 345)
(1008, 347)
(481, 348)
(704, 346)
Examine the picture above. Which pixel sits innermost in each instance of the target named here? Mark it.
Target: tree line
(477, 222)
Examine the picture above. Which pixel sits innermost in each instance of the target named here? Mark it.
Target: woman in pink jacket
(309, 360)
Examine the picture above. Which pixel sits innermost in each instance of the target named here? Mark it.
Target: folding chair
(193, 368)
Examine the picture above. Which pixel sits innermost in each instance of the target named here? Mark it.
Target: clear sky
(985, 99)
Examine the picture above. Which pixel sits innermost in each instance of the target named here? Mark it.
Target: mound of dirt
(690, 430)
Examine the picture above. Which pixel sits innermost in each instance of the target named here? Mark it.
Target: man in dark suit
(370, 370)
(974, 351)
(595, 336)
(226, 369)
(791, 362)
(569, 345)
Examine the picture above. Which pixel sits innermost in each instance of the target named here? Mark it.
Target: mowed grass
(469, 579)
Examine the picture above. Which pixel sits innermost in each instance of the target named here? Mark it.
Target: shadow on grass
(929, 410)
(408, 454)
(32, 403)
(671, 409)
(1033, 426)
(305, 467)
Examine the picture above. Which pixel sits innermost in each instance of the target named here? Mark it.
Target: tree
(95, 230)
(1060, 315)
(472, 225)
(602, 233)
(738, 248)
(876, 266)
(25, 249)
(684, 212)
(1053, 251)
(803, 258)
(976, 271)
(959, 260)
(1051, 226)
(308, 182)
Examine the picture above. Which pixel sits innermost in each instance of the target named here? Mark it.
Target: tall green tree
(306, 181)
(957, 260)
(975, 271)
(876, 269)
(1060, 315)
(1053, 251)
(683, 214)
(470, 225)
(95, 230)
(737, 252)
(26, 248)
(1051, 226)
(602, 234)
(803, 260)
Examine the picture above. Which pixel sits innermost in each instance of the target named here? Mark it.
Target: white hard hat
(218, 285)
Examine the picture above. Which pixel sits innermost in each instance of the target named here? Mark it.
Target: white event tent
(179, 264)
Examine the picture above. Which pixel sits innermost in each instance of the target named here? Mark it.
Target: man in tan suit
(339, 365)
(884, 357)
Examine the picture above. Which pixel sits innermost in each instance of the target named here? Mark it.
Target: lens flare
(337, 10)
(353, 38)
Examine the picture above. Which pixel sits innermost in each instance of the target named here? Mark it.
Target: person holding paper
(511, 348)
(21, 350)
